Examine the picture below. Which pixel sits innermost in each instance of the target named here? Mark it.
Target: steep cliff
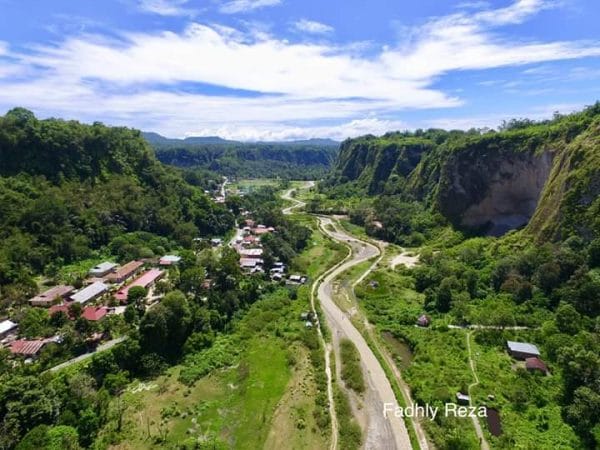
(544, 177)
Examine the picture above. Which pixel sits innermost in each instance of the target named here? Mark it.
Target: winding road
(383, 432)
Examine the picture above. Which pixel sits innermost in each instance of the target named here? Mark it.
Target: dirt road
(382, 432)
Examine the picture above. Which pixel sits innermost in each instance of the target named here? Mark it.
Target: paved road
(287, 195)
(382, 433)
(101, 348)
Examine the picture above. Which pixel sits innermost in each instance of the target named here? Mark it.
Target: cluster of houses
(105, 291)
(247, 243)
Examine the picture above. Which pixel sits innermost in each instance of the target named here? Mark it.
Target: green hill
(68, 189)
(544, 176)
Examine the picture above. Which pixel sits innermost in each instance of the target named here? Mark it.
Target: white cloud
(311, 26)
(473, 5)
(268, 132)
(165, 7)
(92, 77)
(240, 6)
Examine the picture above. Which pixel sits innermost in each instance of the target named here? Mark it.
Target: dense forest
(541, 270)
(304, 160)
(68, 190)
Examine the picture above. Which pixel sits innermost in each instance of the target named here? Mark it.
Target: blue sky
(291, 69)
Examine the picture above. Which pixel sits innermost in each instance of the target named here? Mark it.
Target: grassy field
(253, 184)
(232, 406)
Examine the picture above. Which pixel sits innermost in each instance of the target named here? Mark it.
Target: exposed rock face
(544, 177)
(496, 195)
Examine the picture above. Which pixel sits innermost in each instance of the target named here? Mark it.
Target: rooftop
(27, 348)
(94, 313)
(535, 364)
(52, 293)
(522, 347)
(103, 267)
(90, 292)
(7, 325)
(145, 280)
(125, 270)
(169, 259)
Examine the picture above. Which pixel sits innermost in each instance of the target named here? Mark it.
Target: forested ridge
(68, 189)
(305, 160)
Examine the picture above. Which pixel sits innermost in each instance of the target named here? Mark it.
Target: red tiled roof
(94, 313)
(144, 281)
(58, 308)
(535, 364)
(261, 230)
(27, 348)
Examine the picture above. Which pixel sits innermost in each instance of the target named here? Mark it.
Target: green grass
(351, 370)
(391, 300)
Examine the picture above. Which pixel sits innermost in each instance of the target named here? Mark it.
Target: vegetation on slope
(67, 190)
(476, 177)
(303, 160)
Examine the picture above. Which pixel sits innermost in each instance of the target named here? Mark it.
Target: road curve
(390, 433)
(287, 195)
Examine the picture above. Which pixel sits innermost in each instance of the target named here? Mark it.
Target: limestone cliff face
(494, 192)
(542, 177)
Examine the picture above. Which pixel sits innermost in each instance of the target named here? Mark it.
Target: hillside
(68, 189)
(310, 159)
(545, 176)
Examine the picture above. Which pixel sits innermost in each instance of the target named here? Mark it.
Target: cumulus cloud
(313, 27)
(241, 6)
(158, 81)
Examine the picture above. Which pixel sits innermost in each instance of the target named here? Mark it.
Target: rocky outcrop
(494, 193)
(543, 177)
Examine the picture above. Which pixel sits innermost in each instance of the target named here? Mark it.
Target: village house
(169, 260)
(30, 349)
(64, 307)
(216, 242)
(522, 350)
(7, 328)
(125, 272)
(102, 269)
(462, 399)
(297, 279)
(47, 298)
(259, 231)
(90, 293)
(94, 313)
(251, 253)
(146, 280)
(536, 364)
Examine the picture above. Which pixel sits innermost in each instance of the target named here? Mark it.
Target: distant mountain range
(155, 138)
(304, 159)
